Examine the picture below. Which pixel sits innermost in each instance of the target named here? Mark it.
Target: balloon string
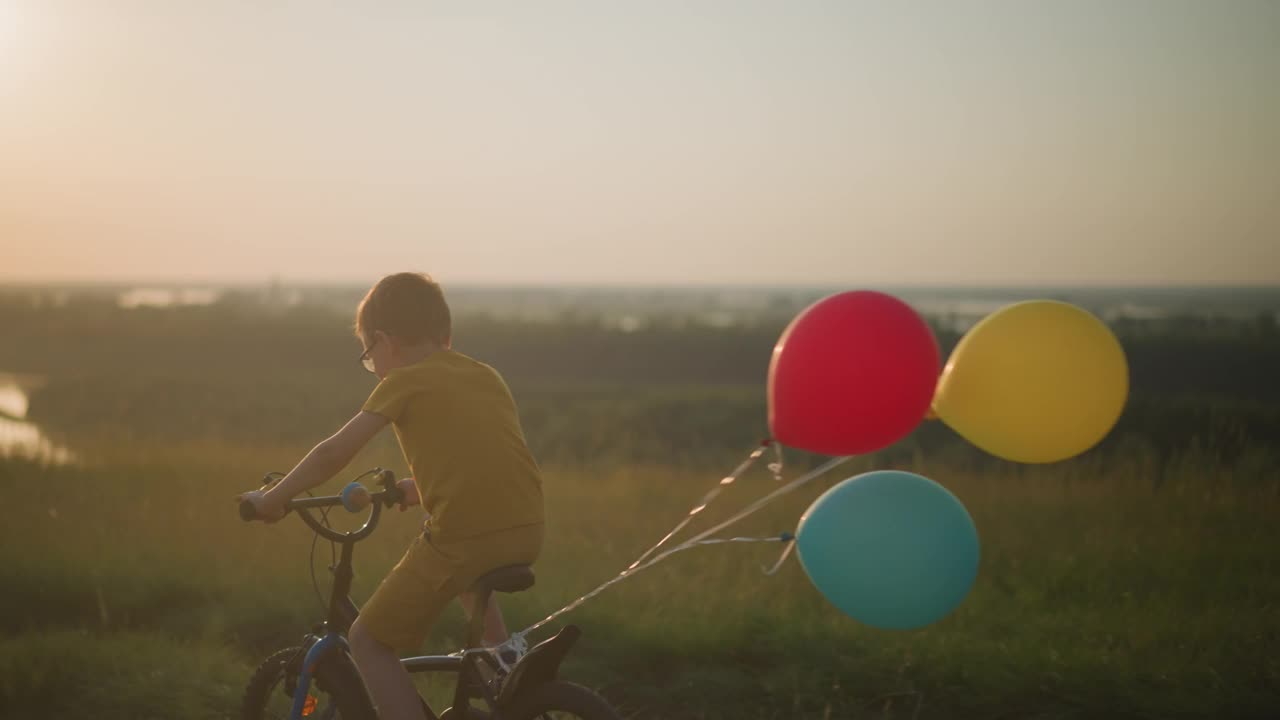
(775, 467)
(699, 539)
(793, 485)
(632, 571)
(786, 552)
(712, 494)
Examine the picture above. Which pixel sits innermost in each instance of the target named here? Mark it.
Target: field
(1140, 580)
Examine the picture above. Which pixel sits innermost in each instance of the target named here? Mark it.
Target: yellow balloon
(1034, 382)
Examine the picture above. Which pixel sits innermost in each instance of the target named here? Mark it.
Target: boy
(459, 431)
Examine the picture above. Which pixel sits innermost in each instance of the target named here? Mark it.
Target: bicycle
(322, 665)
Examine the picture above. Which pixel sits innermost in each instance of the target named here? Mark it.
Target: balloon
(852, 373)
(891, 549)
(1034, 382)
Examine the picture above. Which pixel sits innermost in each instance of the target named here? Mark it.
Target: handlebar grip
(248, 511)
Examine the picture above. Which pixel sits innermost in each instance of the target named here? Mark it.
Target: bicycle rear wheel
(562, 701)
(332, 695)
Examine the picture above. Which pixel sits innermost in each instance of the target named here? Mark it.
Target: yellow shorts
(413, 595)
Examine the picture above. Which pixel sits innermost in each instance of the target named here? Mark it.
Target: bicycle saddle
(509, 579)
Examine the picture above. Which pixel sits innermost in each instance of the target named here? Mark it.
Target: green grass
(70, 673)
(132, 588)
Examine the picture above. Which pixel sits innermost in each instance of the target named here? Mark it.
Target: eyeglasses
(365, 360)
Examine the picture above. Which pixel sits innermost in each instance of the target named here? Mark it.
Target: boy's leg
(495, 629)
(388, 682)
(395, 620)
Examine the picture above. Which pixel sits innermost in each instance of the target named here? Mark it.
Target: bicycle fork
(332, 648)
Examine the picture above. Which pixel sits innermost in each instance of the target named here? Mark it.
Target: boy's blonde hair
(408, 306)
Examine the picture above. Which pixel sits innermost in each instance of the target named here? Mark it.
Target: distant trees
(669, 387)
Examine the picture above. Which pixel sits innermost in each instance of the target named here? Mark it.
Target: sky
(692, 142)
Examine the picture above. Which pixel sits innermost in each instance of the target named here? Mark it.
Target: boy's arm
(326, 459)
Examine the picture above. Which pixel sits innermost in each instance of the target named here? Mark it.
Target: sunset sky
(957, 143)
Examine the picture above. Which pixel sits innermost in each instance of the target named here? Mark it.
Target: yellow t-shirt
(460, 433)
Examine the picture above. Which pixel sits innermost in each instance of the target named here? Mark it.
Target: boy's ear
(380, 337)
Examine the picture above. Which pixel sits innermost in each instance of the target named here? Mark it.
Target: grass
(136, 674)
(132, 589)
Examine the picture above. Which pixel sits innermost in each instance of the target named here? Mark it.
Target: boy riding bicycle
(472, 472)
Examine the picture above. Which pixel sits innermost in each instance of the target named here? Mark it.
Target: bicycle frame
(327, 642)
(330, 636)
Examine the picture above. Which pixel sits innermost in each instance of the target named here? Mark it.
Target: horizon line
(212, 283)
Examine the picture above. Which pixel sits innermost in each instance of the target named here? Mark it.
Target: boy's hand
(269, 507)
(408, 493)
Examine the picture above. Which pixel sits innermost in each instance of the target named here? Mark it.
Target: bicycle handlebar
(354, 498)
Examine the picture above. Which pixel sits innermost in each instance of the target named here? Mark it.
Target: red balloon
(852, 374)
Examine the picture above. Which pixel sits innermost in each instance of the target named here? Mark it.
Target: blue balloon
(892, 549)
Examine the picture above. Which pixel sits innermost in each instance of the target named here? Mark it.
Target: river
(20, 437)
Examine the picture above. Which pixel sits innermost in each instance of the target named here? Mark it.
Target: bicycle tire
(561, 697)
(342, 688)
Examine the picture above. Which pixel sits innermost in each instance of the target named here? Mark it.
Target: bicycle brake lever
(392, 493)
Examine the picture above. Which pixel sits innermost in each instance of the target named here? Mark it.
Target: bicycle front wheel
(562, 701)
(333, 695)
